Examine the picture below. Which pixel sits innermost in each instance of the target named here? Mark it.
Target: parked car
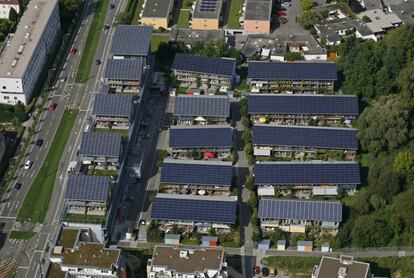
(52, 106)
(282, 13)
(39, 142)
(98, 62)
(265, 272)
(27, 165)
(256, 269)
(112, 6)
(106, 27)
(17, 186)
(73, 51)
(286, 5)
(283, 20)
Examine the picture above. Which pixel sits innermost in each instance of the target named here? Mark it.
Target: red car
(73, 51)
(282, 13)
(52, 106)
(256, 269)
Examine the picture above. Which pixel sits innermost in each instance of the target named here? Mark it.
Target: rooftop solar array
(131, 40)
(306, 137)
(211, 173)
(100, 144)
(200, 64)
(300, 210)
(201, 137)
(289, 104)
(193, 208)
(87, 188)
(208, 5)
(258, 70)
(306, 173)
(124, 69)
(112, 105)
(208, 106)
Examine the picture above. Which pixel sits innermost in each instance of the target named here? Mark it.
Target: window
(6, 97)
(4, 87)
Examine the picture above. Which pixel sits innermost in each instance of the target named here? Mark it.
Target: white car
(27, 165)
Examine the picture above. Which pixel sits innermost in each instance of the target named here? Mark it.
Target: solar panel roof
(201, 137)
(289, 104)
(112, 105)
(206, 209)
(200, 64)
(210, 106)
(124, 69)
(306, 137)
(131, 40)
(100, 144)
(309, 173)
(300, 210)
(87, 188)
(194, 172)
(259, 70)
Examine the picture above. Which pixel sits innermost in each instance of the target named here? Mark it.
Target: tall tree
(13, 16)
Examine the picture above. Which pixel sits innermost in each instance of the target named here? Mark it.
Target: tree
(306, 4)
(404, 164)
(68, 8)
(309, 18)
(13, 16)
(404, 207)
(366, 19)
(371, 231)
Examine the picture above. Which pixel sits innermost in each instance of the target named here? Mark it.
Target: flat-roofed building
(316, 177)
(125, 75)
(183, 262)
(207, 15)
(191, 37)
(303, 109)
(295, 216)
(292, 77)
(24, 54)
(157, 13)
(101, 149)
(404, 9)
(344, 266)
(6, 6)
(112, 111)
(380, 21)
(131, 42)
(257, 16)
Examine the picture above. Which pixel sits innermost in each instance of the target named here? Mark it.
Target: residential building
(6, 6)
(207, 71)
(201, 141)
(190, 110)
(207, 14)
(196, 176)
(173, 239)
(380, 21)
(303, 109)
(183, 262)
(281, 245)
(316, 177)
(344, 266)
(157, 13)
(304, 142)
(257, 16)
(305, 246)
(113, 111)
(209, 241)
(264, 244)
(87, 196)
(190, 37)
(292, 77)
(131, 42)
(203, 212)
(403, 9)
(295, 216)
(101, 149)
(25, 53)
(125, 75)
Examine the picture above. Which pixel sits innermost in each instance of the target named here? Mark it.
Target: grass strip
(235, 8)
(120, 132)
(84, 218)
(21, 235)
(95, 30)
(156, 40)
(183, 19)
(37, 200)
(138, 10)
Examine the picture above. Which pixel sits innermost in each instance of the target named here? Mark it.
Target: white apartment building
(25, 52)
(6, 5)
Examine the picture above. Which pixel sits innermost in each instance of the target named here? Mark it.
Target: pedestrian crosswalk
(7, 268)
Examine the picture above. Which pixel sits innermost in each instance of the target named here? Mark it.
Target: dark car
(106, 27)
(112, 6)
(256, 269)
(265, 271)
(39, 142)
(17, 186)
(98, 62)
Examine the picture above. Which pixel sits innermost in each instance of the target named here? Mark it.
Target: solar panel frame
(131, 40)
(208, 106)
(204, 65)
(87, 188)
(201, 137)
(112, 105)
(124, 69)
(100, 144)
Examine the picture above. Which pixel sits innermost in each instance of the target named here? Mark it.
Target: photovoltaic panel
(208, 106)
(205, 209)
(200, 64)
(259, 70)
(307, 173)
(131, 40)
(306, 137)
(112, 105)
(87, 188)
(201, 137)
(291, 104)
(300, 210)
(124, 69)
(209, 173)
(100, 144)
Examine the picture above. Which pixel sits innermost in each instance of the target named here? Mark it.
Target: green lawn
(236, 6)
(190, 241)
(156, 40)
(292, 264)
(137, 12)
(88, 54)
(183, 19)
(103, 172)
(391, 266)
(37, 200)
(83, 218)
(121, 132)
(21, 235)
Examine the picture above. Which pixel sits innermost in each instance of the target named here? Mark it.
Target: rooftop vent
(183, 254)
(342, 272)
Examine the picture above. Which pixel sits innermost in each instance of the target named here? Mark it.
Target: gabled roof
(87, 188)
(196, 172)
(289, 104)
(207, 106)
(307, 173)
(305, 137)
(131, 40)
(206, 209)
(124, 69)
(258, 70)
(210, 136)
(112, 105)
(300, 210)
(100, 144)
(201, 64)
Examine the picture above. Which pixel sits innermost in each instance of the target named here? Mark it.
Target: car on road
(27, 165)
(39, 142)
(73, 51)
(265, 272)
(256, 269)
(112, 6)
(98, 62)
(106, 27)
(63, 79)
(286, 5)
(142, 222)
(17, 186)
(52, 106)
